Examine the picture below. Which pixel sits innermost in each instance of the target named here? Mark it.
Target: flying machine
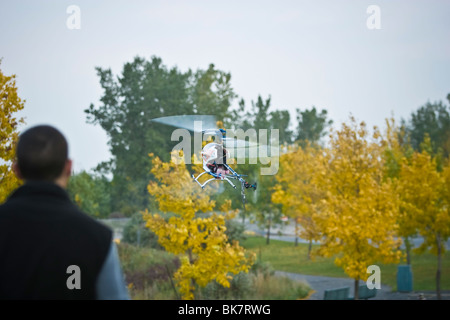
(214, 154)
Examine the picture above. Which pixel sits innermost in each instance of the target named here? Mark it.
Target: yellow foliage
(425, 194)
(360, 210)
(10, 103)
(339, 196)
(201, 241)
(296, 191)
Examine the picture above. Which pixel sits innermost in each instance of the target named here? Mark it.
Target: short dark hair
(41, 153)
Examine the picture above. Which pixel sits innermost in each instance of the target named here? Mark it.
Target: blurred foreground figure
(49, 249)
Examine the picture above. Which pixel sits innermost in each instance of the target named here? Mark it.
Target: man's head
(42, 155)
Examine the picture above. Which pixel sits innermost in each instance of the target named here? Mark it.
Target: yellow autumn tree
(426, 196)
(10, 103)
(397, 150)
(295, 191)
(194, 232)
(358, 223)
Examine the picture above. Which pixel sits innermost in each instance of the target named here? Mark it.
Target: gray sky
(302, 53)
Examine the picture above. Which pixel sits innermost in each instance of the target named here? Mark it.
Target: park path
(319, 284)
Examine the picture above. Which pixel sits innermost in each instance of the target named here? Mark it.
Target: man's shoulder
(83, 218)
(54, 208)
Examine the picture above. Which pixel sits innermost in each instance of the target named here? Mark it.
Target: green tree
(280, 119)
(312, 125)
(432, 119)
(240, 118)
(259, 117)
(137, 234)
(91, 194)
(146, 90)
(267, 214)
(260, 111)
(211, 92)
(256, 118)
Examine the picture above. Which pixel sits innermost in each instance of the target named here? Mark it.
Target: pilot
(214, 163)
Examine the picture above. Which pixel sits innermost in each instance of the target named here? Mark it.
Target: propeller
(207, 125)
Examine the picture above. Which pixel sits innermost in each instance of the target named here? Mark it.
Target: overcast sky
(302, 53)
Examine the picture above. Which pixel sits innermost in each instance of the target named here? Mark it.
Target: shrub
(116, 215)
(148, 272)
(240, 288)
(261, 267)
(136, 233)
(277, 288)
(235, 231)
(259, 284)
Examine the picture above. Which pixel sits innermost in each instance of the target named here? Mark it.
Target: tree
(91, 194)
(259, 117)
(312, 125)
(144, 91)
(280, 119)
(266, 213)
(212, 93)
(359, 218)
(395, 152)
(432, 119)
(426, 194)
(260, 111)
(10, 103)
(193, 231)
(240, 118)
(296, 192)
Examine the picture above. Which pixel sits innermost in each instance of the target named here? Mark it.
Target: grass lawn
(284, 256)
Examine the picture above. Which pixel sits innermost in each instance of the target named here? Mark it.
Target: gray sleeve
(110, 283)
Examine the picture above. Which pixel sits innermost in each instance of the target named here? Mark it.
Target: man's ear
(68, 168)
(16, 170)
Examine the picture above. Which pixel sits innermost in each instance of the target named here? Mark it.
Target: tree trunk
(438, 272)
(268, 230)
(309, 249)
(408, 250)
(171, 283)
(191, 260)
(356, 289)
(296, 232)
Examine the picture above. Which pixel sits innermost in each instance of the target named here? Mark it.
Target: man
(213, 162)
(49, 249)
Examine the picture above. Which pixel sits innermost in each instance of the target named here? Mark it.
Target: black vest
(42, 233)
